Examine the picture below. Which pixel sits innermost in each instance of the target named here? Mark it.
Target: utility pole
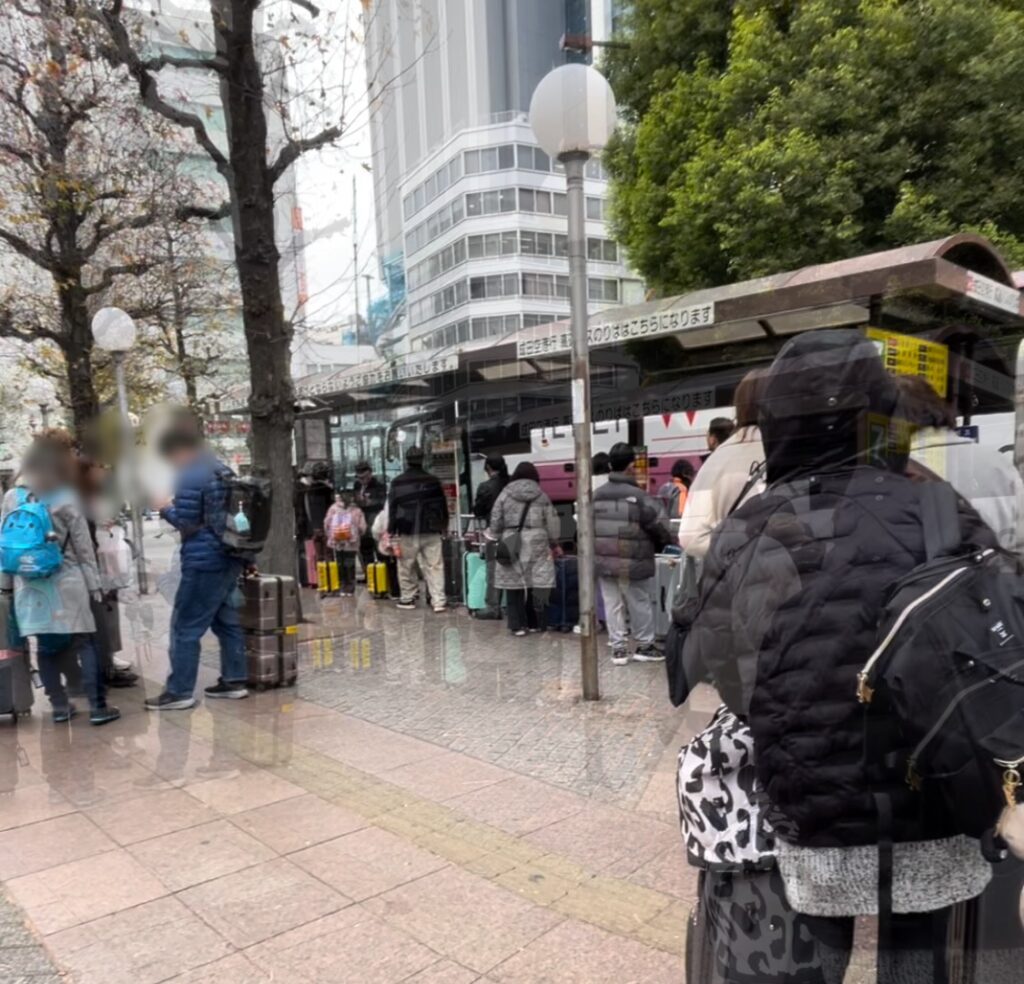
(355, 258)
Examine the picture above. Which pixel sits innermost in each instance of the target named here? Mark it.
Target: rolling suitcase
(668, 570)
(269, 601)
(475, 581)
(272, 658)
(564, 607)
(328, 578)
(16, 696)
(377, 580)
(310, 552)
(454, 549)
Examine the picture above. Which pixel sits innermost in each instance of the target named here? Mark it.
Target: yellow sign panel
(906, 355)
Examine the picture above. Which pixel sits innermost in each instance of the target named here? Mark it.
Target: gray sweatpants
(632, 598)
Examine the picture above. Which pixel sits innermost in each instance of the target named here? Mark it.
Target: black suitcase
(16, 696)
(564, 606)
(454, 561)
(988, 931)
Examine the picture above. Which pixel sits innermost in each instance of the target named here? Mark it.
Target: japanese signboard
(906, 355)
(993, 293)
(612, 332)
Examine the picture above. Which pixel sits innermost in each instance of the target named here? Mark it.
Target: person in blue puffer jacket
(207, 597)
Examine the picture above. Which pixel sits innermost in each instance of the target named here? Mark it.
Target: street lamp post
(114, 331)
(573, 114)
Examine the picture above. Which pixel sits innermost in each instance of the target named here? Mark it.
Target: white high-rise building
(470, 211)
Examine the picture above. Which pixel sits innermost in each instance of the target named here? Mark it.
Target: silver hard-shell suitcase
(269, 602)
(272, 659)
(668, 572)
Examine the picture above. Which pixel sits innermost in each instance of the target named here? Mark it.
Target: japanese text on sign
(611, 332)
(906, 355)
(993, 293)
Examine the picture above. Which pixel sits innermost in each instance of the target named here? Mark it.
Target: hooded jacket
(487, 495)
(794, 583)
(534, 567)
(630, 528)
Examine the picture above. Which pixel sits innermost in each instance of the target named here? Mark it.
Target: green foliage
(764, 135)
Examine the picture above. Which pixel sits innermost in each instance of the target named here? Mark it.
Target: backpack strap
(940, 519)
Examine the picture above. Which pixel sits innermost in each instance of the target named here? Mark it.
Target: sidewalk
(433, 804)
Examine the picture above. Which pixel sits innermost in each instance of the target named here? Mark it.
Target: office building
(470, 211)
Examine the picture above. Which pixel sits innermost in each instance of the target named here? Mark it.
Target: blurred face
(364, 476)
(712, 442)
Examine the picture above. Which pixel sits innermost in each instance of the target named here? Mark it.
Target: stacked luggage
(270, 617)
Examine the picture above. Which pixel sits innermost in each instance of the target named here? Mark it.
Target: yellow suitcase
(377, 580)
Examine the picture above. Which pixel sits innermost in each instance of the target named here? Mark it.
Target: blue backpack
(28, 542)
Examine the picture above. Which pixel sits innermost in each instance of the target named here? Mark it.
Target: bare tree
(77, 156)
(252, 72)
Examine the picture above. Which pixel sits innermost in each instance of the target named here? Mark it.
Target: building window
(595, 208)
(603, 289)
(602, 250)
(545, 285)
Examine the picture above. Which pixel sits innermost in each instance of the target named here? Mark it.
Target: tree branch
(121, 52)
(103, 231)
(294, 149)
(308, 5)
(26, 249)
(222, 211)
(122, 269)
(216, 64)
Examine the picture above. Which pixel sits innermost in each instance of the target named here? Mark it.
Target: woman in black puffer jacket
(792, 590)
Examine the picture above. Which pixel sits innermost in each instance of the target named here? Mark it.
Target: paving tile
(236, 969)
(669, 873)
(199, 854)
(243, 791)
(152, 814)
(367, 862)
(249, 906)
(446, 775)
(463, 917)
(73, 893)
(599, 836)
(364, 746)
(49, 843)
(348, 946)
(138, 946)
(518, 805)
(297, 823)
(24, 961)
(444, 972)
(30, 804)
(575, 953)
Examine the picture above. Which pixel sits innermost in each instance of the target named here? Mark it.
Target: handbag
(720, 804)
(510, 545)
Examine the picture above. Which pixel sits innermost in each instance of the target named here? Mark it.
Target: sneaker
(61, 715)
(228, 691)
(440, 609)
(406, 606)
(620, 657)
(648, 654)
(120, 663)
(519, 633)
(122, 678)
(168, 702)
(103, 715)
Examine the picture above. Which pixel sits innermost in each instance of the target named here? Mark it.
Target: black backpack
(949, 670)
(246, 524)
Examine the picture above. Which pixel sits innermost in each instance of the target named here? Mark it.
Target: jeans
(635, 598)
(206, 600)
(527, 609)
(57, 656)
(425, 551)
